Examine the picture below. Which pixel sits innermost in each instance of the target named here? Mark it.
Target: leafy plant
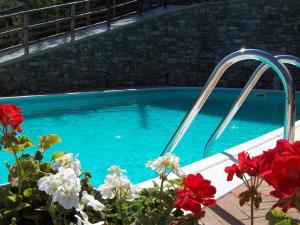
(27, 199)
(152, 206)
(59, 192)
(21, 201)
(276, 217)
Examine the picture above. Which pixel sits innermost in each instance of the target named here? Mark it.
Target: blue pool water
(130, 127)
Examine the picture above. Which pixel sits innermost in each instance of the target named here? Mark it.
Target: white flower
(167, 161)
(47, 184)
(69, 161)
(116, 170)
(117, 184)
(85, 220)
(107, 189)
(63, 187)
(89, 200)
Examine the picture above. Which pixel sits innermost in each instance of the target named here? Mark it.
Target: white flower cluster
(117, 184)
(89, 200)
(63, 187)
(84, 220)
(69, 161)
(165, 162)
(116, 170)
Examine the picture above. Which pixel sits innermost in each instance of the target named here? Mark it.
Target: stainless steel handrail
(244, 54)
(261, 69)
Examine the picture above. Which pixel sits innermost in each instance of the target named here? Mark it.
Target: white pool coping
(212, 168)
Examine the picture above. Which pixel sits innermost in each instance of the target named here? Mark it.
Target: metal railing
(244, 54)
(261, 69)
(108, 12)
(25, 28)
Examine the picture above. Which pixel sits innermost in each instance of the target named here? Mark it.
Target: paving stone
(228, 210)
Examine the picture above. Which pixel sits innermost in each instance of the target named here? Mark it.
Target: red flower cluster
(197, 191)
(281, 169)
(10, 115)
(246, 165)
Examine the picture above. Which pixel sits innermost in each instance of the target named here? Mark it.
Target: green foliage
(48, 141)
(276, 217)
(22, 208)
(20, 201)
(118, 213)
(154, 206)
(150, 207)
(57, 155)
(17, 144)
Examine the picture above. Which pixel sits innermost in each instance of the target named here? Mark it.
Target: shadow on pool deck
(228, 211)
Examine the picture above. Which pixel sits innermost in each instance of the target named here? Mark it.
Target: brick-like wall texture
(177, 49)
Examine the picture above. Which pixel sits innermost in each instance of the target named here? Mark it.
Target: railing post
(57, 25)
(114, 10)
(72, 22)
(165, 4)
(88, 17)
(25, 33)
(140, 7)
(108, 14)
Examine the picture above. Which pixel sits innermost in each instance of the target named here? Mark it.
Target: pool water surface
(127, 128)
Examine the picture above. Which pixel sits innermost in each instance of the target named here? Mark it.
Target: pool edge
(212, 168)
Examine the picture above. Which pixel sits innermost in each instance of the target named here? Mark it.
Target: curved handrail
(261, 69)
(244, 54)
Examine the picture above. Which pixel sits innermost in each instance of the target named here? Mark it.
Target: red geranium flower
(283, 149)
(280, 168)
(10, 115)
(246, 164)
(197, 191)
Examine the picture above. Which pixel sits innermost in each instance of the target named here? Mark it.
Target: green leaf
(19, 144)
(48, 141)
(46, 167)
(277, 217)
(12, 201)
(23, 143)
(14, 210)
(27, 192)
(4, 192)
(57, 155)
(37, 218)
(29, 168)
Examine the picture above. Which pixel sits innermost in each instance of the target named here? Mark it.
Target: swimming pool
(127, 128)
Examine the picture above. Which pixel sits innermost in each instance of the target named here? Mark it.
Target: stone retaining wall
(178, 49)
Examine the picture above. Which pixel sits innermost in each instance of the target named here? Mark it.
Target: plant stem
(252, 210)
(163, 178)
(19, 173)
(119, 204)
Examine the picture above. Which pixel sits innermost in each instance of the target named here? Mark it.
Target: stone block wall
(175, 49)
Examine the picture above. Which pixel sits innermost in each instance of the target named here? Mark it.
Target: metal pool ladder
(268, 61)
(261, 69)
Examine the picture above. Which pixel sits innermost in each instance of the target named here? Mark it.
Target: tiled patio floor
(228, 210)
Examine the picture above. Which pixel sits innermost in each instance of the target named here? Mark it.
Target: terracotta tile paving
(228, 211)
